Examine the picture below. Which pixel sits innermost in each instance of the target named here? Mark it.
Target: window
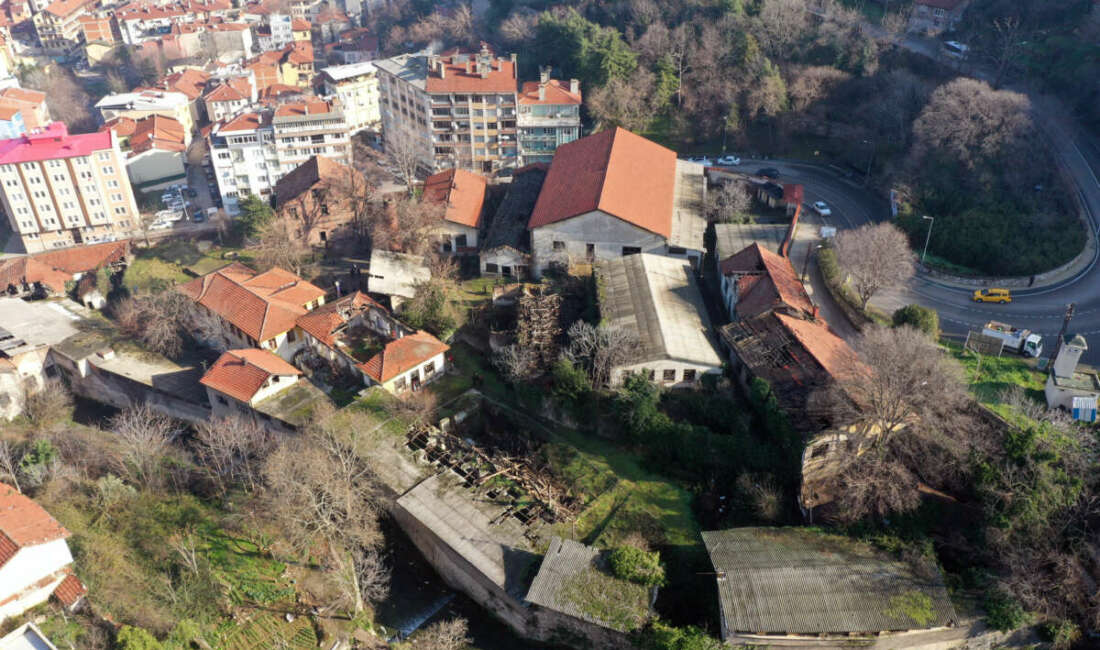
(560, 246)
(324, 208)
(490, 267)
(399, 384)
(116, 197)
(590, 251)
(429, 369)
(221, 400)
(274, 379)
(120, 210)
(631, 250)
(291, 336)
(669, 375)
(113, 184)
(651, 374)
(689, 375)
(103, 155)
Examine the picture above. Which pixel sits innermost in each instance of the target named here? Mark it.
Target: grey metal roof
(509, 224)
(564, 561)
(731, 238)
(396, 274)
(657, 298)
(411, 68)
(804, 581)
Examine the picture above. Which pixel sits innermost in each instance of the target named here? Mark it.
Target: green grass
(621, 604)
(988, 377)
(147, 275)
(940, 264)
(620, 496)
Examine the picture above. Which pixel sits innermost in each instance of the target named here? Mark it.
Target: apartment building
(549, 116)
(61, 190)
(253, 150)
(58, 25)
(356, 86)
(150, 101)
(452, 110)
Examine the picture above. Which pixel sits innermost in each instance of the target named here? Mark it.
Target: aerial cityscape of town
(563, 324)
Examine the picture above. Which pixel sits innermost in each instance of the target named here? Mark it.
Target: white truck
(1021, 341)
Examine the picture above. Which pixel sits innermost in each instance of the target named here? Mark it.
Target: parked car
(160, 225)
(190, 192)
(822, 208)
(992, 295)
(198, 217)
(729, 161)
(768, 172)
(702, 160)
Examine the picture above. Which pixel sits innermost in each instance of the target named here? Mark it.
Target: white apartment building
(253, 150)
(356, 86)
(457, 110)
(143, 103)
(275, 34)
(549, 116)
(62, 190)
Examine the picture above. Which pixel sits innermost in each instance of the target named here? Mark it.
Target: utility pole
(1061, 336)
(927, 238)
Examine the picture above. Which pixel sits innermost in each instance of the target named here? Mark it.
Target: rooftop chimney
(544, 74)
(815, 312)
(467, 66)
(574, 86)
(542, 91)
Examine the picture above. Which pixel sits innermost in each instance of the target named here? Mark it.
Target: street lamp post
(870, 160)
(806, 262)
(932, 222)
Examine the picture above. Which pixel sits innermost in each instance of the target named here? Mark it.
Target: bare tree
(9, 464)
(874, 257)
(599, 348)
(517, 363)
(145, 436)
(232, 451)
(1007, 43)
(443, 635)
(899, 378)
(728, 203)
(812, 84)
(895, 23)
(781, 25)
(65, 98)
(403, 152)
(209, 329)
(518, 28)
(279, 245)
(405, 226)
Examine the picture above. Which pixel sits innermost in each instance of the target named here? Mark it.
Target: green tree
(662, 636)
(136, 638)
(922, 318)
(570, 382)
(667, 82)
(584, 49)
(255, 214)
(431, 308)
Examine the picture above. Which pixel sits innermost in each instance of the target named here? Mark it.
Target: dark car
(198, 217)
(190, 192)
(769, 172)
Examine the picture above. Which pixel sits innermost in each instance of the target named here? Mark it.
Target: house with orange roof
(461, 196)
(31, 104)
(45, 274)
(756, 280)
(154, 148)
(549, 116)
(35, 561)
(227, 96)
(149, 101)
(355, 45)
(241, 379)
(363, 337)
(255, 309)
(11, 122)
(613, 194)
(328, 24)
(320, 199)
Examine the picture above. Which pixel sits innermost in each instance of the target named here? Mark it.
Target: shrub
(1003, 612)
(136, 638)
(1060, 633)
(570, 382)
(636, 565)
(922, 318)
(662, 636)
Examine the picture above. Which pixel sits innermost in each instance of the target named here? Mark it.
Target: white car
(702, 160)
(160, 225)
(729, 161)
(822, 208)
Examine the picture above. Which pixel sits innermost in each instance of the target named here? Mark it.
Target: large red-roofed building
(61, 190)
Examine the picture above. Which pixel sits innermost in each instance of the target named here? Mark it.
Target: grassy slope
(991, 376)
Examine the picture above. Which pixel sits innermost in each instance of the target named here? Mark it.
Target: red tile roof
(461, 192)
(300, 25)
(260, 305)
(70, 591)
(190, 82)
(402, 355)
(122, 126)
(297, 109)
(51, 143)
(557, 92)
(243, 122)
(500, 79)
(323, 321)
(829, 350)
(778, 284)
(157, 132)
(63, 8)
(14, 270)
(24, 523)
(242, 373)
(224, 93)
(616, 171)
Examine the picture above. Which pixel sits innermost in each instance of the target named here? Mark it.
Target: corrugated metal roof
(803, 581)
(657, 298)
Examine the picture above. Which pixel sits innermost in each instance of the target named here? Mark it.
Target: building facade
(61, 190)
(58, 25)
(455, 110)
(356, 86)
(933, 17)
(549, 116)
(143, 103)
(252, 151)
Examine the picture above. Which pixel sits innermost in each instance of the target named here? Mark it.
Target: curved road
(1039, 309)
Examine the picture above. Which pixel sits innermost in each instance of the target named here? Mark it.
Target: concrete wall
(156, 167)
(122, 392)
(419, 372)
(29, 565)
(504, 257)
(606, 233)
(659, 367)
(449, 231)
